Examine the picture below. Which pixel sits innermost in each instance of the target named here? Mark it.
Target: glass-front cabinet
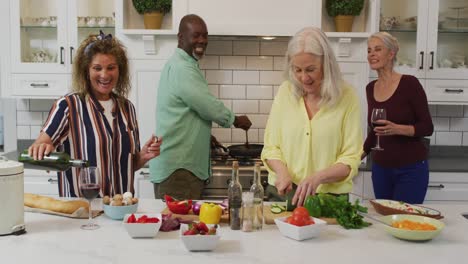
(433, 36)
(45, 35)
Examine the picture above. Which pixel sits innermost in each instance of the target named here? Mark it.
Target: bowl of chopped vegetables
(412, 227)
(199, 236)
(391, 207)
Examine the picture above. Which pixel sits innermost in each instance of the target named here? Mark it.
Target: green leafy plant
(147, 6)
(344, 7)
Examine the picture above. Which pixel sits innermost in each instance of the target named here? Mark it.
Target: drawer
(40, 85)
(40, 182)
(447, 91)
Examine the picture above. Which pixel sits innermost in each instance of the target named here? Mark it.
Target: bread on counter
(54, 205)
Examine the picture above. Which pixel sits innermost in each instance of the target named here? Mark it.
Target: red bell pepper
(176, 206)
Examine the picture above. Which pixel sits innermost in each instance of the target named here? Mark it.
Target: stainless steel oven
(217, 185)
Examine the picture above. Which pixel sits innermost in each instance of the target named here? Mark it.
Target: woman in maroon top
(400, 171)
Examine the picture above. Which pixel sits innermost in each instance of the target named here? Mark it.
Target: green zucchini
(276, 210)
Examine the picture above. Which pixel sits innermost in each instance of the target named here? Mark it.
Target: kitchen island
(53, 239)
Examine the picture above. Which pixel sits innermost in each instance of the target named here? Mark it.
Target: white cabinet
(356, 74)
(143, 186)
(145, 81)
(45, 35)
(40, 182)
(256, 18)
(443, 186)
(432, 36)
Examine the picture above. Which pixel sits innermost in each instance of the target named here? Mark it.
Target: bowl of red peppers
(142, 225)
(178, 206)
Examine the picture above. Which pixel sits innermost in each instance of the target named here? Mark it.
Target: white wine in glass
(378, 114)
(89, 187)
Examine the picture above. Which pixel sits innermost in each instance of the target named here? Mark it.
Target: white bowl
(118, 212)
(199, 242)
(142, 230)
(300, 232)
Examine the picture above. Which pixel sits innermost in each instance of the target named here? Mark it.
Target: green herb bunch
(344, 7)
(146, 6)
(346, 213)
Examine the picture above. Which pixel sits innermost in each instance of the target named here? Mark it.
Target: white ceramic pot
(12, 197)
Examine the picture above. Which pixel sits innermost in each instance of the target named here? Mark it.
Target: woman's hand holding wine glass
(90, 187)
(378, 115)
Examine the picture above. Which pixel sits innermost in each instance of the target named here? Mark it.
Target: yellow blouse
(306, 146)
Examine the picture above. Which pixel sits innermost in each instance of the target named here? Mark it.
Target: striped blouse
(78, 126)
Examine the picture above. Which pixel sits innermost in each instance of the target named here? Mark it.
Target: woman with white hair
(399, 172)
(313, 136)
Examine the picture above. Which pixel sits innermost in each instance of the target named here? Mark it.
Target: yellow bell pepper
(210, 213)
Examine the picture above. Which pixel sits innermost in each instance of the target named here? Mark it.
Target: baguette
(54, 205)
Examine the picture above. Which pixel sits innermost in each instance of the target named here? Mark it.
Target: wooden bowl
(390, 207)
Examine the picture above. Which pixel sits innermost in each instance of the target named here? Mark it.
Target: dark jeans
(407, 184)
(181, 184)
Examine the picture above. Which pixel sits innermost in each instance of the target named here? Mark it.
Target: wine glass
(378, 114)
(89, 186)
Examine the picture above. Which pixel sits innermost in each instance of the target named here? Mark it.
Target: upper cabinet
(432, 36)
(45, 35)
(256, 18)
(227, 17)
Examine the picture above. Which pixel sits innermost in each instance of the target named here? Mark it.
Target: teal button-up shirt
(184, 113)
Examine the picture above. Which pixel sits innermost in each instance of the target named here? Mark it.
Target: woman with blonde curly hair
(313, 135)
(96, 122)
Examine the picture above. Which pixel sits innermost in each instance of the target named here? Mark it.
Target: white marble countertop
(52, 239)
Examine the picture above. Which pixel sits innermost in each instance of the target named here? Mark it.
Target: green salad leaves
(346, 213)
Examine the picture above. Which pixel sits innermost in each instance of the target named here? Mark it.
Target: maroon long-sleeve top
(407, 106)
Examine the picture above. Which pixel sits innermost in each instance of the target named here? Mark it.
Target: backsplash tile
(219, 47)
(259, 92)
(245, 75)
(232, 62)
(450, 110)
(449, 138)
(232, 91)
(246, 48)
(219, 77)
(259, 63)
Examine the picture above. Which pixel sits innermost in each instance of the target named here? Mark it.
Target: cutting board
(193, 217)
(269, 217)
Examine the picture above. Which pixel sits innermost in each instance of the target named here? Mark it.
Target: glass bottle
(248, 213)
(258, 193)
(235, 198)
(55, 161)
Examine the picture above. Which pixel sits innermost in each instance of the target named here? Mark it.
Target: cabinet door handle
(422, 60)
(62, 49)
(144, 173)
(440, 186)
(71, 55)
(52, 181)
(457, 91)
(432, 61)
(39, 85)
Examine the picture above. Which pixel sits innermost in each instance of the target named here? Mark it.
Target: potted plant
(344, 11)
(152, 11)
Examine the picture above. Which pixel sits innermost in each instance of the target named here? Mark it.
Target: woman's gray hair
(312, 40)
(389, 41)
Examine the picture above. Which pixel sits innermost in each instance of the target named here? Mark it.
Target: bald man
(184, 114)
